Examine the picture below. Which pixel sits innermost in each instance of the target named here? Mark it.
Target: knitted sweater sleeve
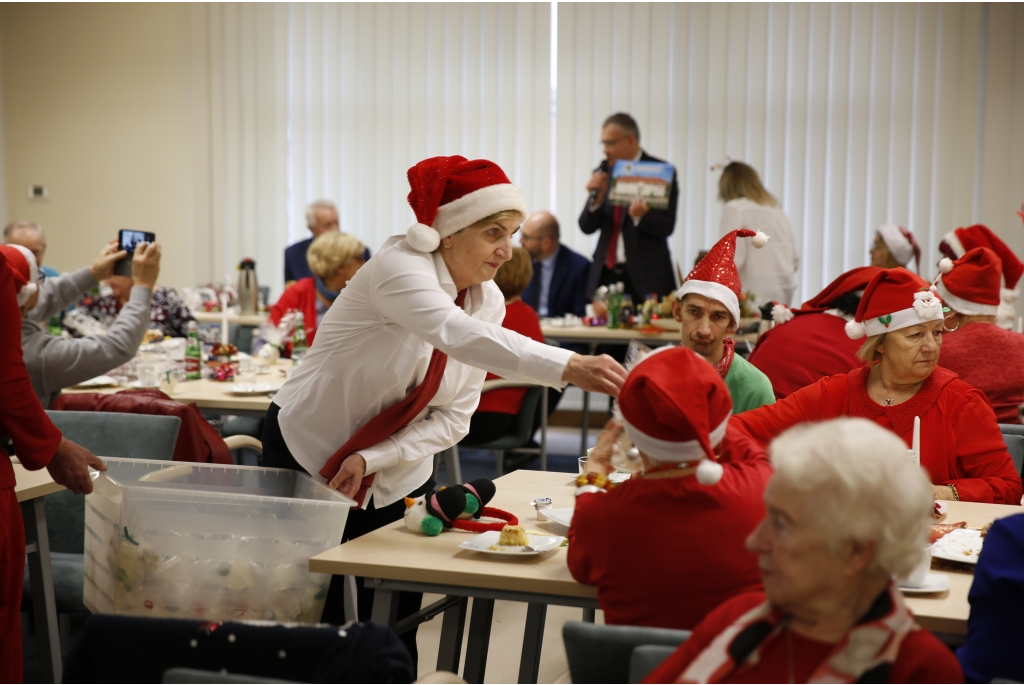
(989, 474)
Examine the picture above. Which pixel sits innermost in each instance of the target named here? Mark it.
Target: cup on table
(919, 576)
(169, 381)
(175, 349)
(246, 371)
(583, 464)
(149, 373)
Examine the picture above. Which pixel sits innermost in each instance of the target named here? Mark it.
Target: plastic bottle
(54, 327)
(299, 344)
(193, 354)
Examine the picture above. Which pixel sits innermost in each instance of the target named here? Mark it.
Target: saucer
(935, 582)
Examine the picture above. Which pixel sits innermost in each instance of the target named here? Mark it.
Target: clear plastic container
(204, 541)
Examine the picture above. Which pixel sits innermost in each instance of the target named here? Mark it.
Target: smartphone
(128, 240)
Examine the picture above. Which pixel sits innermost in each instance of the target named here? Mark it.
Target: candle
(224, 318)
(917, 440)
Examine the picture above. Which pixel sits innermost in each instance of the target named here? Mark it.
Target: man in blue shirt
(559, 281)
(321, 217)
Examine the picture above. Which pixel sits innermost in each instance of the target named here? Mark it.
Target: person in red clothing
(334, 259)
(498, 408)
(846, 513)
(817, 329)
(961, 445)
(38, 444)
(955, 245)
(988, 357)
(666, 547)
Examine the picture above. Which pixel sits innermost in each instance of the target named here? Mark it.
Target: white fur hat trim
(964, 306)
(900, 248)
(1008, 295)
(712, 291)
(954, 243)
(671, 451)
(30, 288)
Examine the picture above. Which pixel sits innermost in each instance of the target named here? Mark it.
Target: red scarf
(872, 642)
(392, 419)
(728, 352)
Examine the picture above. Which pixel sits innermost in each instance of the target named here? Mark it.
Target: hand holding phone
(128, 240)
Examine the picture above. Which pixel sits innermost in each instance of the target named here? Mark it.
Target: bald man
(559, 275)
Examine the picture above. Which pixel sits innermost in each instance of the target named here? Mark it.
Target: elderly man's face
(326, 220)
(705, 322)
(30, 239)
(798, 567)
(618, 144)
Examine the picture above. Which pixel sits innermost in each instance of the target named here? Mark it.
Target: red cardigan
(301, 297)
(823, 347)
(992, 360)
(921, 659)
(665, 552)
(960, 439)
(34, 436)
(521, 318)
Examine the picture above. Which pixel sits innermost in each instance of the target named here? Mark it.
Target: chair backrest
(645, 659)
(525, 422)
(602, 654)
(131, 436)
(1013, 436)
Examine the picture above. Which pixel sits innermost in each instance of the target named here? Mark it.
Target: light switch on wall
(38, 192)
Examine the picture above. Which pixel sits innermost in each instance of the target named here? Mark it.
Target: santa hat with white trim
(971, 284)
(23, 264)
(716, 277)
(450, 193)
(894, 299)
(956, 244)
(902, 244)
(674, 421)
(854, 280)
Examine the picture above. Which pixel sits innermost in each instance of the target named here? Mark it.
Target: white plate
(561, 518)
(484, 541)
(962, 544)
(254, 389)
(138, 384)
(98, 382)
(935, 582)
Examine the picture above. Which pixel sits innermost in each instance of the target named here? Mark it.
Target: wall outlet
(38, 192)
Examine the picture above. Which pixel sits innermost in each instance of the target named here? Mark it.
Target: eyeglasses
(611, 143)
(40, 276)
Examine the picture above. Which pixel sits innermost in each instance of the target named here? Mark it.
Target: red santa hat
(450, 193)
(901, 243)
(894, 299)
(23, 264)
(956, 243)
(675, 420)
(716, 277)
(971, 284)
(851, 281)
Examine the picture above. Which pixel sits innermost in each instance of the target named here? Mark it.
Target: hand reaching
(70, 467)
(350, 476)
(595, 374)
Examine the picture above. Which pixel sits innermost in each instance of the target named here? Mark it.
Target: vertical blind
(855, 115)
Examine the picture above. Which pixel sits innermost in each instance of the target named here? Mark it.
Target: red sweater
(960, 440)
(921, 659)
(34, 436)
(991, 359)
(521, 318)
(823, 347)
(301, 297)
(664, 552)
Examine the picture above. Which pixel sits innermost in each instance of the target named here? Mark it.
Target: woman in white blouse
(771, 274)
(375, 345)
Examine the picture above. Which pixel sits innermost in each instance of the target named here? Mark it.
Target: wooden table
(254, 320)
(212, 397)
(30, 488)
(393, 559)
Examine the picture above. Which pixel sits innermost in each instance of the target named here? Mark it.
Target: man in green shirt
(707, 306)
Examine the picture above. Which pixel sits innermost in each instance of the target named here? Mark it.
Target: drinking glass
(246, 372)
(149, 373)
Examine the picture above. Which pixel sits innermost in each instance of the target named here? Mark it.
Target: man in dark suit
(559, 282)
(321, 217)
(633, 246)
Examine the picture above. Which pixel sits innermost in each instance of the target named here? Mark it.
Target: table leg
(44, 603)
(452, 627)
(385, 607)
(589, 615)
(585, 427)
(533, 639)
(351, 599)
(479, 640)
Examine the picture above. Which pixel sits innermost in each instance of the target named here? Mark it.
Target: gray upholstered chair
(1013, 436)
(606, 654)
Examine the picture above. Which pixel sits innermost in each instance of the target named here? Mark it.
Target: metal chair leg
(452, 465)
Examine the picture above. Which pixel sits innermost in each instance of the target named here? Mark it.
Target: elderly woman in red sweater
(847, 512)
(334, 258)
(961, 446)
(666, 547)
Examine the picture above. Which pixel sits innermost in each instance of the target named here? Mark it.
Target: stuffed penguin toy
(431, 513)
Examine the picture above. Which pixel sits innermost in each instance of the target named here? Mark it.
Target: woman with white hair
(847, 512)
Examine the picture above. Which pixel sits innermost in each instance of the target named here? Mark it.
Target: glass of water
(246, 374)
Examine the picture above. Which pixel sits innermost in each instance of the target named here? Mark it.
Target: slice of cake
(513, 536)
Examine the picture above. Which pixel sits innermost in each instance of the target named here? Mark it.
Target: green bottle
(193, 354)
(614, 305)
(54, 326)
(299, 344)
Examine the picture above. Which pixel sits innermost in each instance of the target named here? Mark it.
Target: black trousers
(360, 522)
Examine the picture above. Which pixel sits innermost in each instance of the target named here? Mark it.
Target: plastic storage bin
(213, 542)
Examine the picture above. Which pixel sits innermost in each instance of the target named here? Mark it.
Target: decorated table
(392, 559)
(254, 320)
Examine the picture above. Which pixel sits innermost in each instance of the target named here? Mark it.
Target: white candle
(224, 318)
(917, 440)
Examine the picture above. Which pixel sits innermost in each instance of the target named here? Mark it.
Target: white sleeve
(441, 428)
(410, 296)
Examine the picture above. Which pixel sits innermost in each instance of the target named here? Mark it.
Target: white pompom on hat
(450, 193)
(26, 273)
